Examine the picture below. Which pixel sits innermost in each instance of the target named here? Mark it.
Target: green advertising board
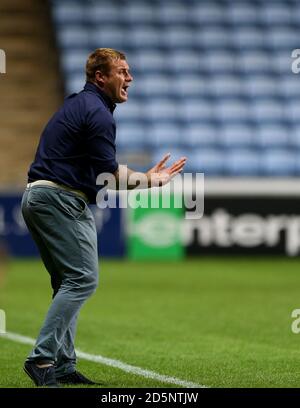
(155, 227)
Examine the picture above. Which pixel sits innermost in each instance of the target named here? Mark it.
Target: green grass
(220, 322)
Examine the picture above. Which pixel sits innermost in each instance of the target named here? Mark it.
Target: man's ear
(100, 78)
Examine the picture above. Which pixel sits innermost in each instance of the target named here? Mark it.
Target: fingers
(161, 164)
(177, 166)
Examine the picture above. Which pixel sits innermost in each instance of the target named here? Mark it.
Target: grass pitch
(220, 322)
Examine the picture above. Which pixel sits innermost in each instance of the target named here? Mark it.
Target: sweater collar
(89, 86)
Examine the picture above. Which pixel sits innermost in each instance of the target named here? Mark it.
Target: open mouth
(124, 89)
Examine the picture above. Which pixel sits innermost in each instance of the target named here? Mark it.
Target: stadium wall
(249, 217)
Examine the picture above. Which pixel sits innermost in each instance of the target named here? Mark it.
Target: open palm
(160, 175)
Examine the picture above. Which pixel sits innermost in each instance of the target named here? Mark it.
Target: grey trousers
(63, 228)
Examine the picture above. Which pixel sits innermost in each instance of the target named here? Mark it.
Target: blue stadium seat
(255, 62)
(278, 14)
(273, 135)
(242, 162)
(199, 135)
(73, 37)
(180, 13)
(267, 110)
(212, 78)
(219, 62)
(129, 112)
(111, 36)
(154, 85)
(100, 12)
(242, 14)
(139, 11)
(205, 160)
(185, 61)
(195, 110)
(149, 61)
(225, 86)
(73, 61)
(283, 38)
(261, 86)
(229, 110)
(69, 12)
(207, 12)
(278, 162)
(163, 135)
(74, 83)
(236, 135)
(160, 109)
(131, 136)
(292, 110)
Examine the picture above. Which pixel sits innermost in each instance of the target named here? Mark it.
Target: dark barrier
(245, 225)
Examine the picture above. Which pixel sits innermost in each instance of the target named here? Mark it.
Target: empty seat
(108, 36)
(207, 12)
(190, 86)
(67, 12)
(150, 61)
(73, 61)
(258, 86)
(248, 38)
(177, 37)
(225, 86)
(129, 111)
(255, 62)
(282, 61)
(278, 162)
(103, 12)
(282, 38)
(73, 37)
(74, 83)
(152, 85)
(183, 61)
(295, 136)
(173, 13)
(271, 135)
(205, 160)
(144, 37)
(242, 162)
(160, 109)
(163, 135)
(199, 134)
(292, 110)
(268, 110)
(236, 135)
(131, 136)
(290, 86)
(275, 14)
(139, 11)
(212, 37)
(231, 110)
(195, 110)
(245, 13)
(219, 61)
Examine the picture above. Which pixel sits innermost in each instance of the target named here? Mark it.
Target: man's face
(115, 83)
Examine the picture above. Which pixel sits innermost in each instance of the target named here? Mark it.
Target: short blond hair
(100, 60)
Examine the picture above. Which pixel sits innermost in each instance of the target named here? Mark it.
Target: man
(76, 146)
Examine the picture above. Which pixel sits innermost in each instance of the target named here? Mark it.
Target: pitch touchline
(112, 363)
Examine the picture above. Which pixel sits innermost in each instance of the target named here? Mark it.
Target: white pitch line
(112, 363)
